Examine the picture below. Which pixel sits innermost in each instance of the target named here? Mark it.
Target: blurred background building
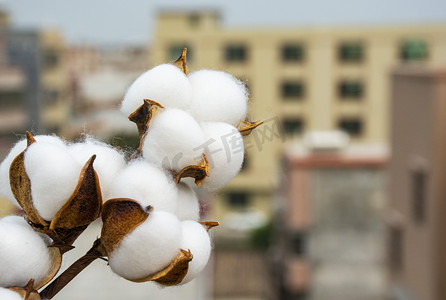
(416, 219)
(300, 80)
(309, 216)
(329, 232)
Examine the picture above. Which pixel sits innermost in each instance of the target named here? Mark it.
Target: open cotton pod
(108, 163)
(218, 97)
(172, 140)
(25, 255)
(141, 244)
(5, 187)
(196, 240)
(165, 84)
(225, 153)
(59, 198)
(146, 183)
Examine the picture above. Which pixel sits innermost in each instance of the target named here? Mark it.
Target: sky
(132, 21)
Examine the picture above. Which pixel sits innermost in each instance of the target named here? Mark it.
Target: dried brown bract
(198, 172)
(120, 217)
(246, 127)
(181, 62)
(27, 292)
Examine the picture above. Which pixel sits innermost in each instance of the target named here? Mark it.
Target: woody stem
(60, 282)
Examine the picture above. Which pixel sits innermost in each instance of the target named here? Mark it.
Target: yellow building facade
(55, 81)
(300, 80)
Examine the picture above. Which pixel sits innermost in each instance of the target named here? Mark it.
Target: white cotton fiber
(165, 84)
(171, 140)
(108, 163)
(188, 207)
(218, 97)
(23, 253)
(149, 248)
(6, 294)
(146, 184)
(5, 188)
(225, 153)
(196, 239)
(54, 175)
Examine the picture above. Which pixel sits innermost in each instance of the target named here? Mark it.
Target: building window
(351, 89)
(194, 20)
(292, 53)
(50, 96)
(414, 50)
(298, 243)
(419, 187)
(236, 53)
(351, 52)
(352, 126)
(9, 99)
(396, 248)
(238, 200)
(50, 59)
(292, 126)
(175, 52)
(293, 90)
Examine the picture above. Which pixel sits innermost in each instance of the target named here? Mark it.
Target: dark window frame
(238, 199)
(292, 129)
(351, 52)
(298, 243)
(194, 20)
(349, 89)
(51, 59)
(419, 187)
(350, 128)
(236, 53)
(396, 248)
(414, 50)
(292, 52)
(293, 90)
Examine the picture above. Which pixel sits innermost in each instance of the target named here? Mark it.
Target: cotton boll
(165, 84)
(188, 207)
(172, 139)
(6, 294)
(5, 188)
(149, 248)
(54, 175)
(218, 97)
(146, 184)
(23, 253)
(196, 239)
(108, 163)
(225, 153)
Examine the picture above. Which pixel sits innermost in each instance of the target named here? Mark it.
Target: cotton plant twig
(96, 251)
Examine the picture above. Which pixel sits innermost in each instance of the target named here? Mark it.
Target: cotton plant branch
(96, 251)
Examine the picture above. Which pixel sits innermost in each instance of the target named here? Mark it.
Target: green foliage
(124, 141)
(261, 237)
